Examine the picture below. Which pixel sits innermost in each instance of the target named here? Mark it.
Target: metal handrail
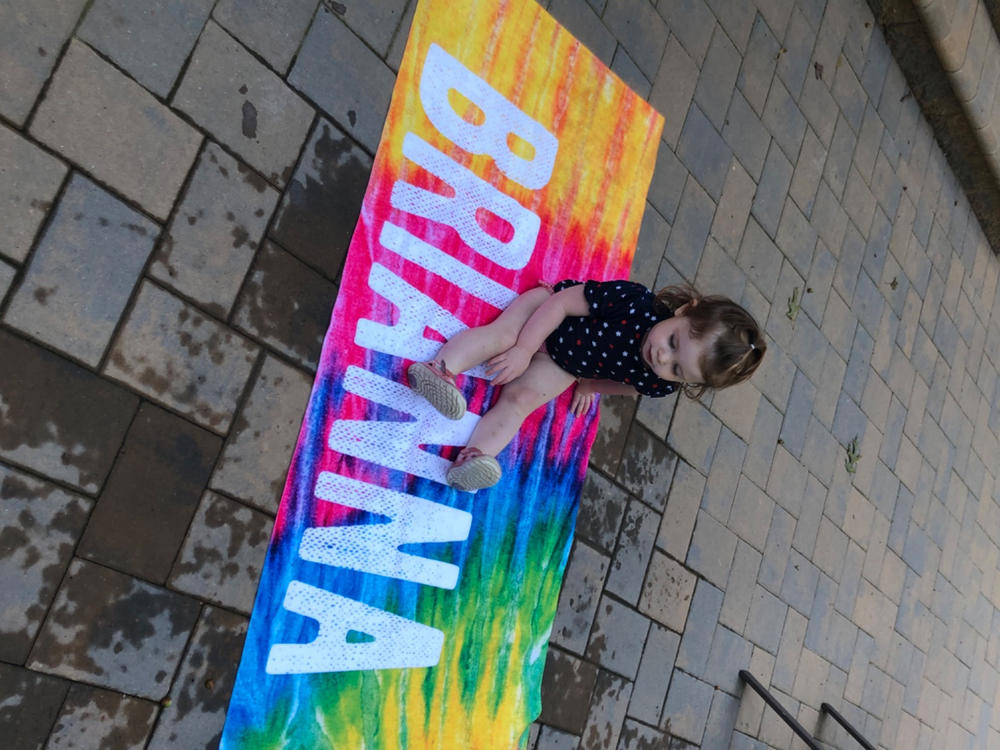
(827, 708)
(770, 700)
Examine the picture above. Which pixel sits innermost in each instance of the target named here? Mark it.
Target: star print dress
(607, 345)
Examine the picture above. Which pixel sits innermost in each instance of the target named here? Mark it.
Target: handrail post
(827, 708)
(770, 700)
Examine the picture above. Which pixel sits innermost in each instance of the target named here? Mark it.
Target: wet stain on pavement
(323, 201)
(249, 125)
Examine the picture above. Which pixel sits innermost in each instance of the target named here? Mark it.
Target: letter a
(399, 643)
(443, 72)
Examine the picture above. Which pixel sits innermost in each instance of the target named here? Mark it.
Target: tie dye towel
(394, 611)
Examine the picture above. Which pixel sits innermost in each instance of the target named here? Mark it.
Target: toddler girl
(613, 337)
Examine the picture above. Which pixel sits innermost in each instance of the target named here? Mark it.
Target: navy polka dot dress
(607, 345)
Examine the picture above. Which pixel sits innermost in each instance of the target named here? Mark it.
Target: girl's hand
(583, 397)
(508, 365)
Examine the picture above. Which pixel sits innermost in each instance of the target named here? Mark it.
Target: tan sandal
(434, 382)
(473, 470)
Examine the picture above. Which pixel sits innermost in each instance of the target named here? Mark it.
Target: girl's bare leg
(476, 345)
(539, 384)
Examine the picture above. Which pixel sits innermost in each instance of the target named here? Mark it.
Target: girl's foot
(433, 381)
(473, 470)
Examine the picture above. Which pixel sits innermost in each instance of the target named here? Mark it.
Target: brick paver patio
(179, 180)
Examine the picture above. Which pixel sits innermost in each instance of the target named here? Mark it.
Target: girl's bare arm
(511, 363)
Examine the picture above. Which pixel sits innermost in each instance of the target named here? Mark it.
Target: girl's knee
(521, 398)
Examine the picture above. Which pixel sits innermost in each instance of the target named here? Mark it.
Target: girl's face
(672, 352)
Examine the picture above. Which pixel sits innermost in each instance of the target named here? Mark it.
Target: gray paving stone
(692, 22)
(114, 631)
(584, 22)
(796, 56)
(41, 525)
(673, 88)
(58, 418)
(579, 596)
(760, 258)
(720, 487)
(606, 452)
(29, 181)
(789, 651)
(651, 681)
(29, 703)
(799, 586)
(763, 441)
(759, 64)
(858, 364)
(113, 128)
(255, 460)
(783, 119)
(31, 36)
(647, 467)
(746, 135)
(730, 653)
(727, 228)
(712, 549)
(817, 104)
(175, 355)
(796, 238)
(607, 711)
(570, 682)
(838, 161)
(223, 554)
(700, 429)
(682, 509)
(739, 588)
(7, 273)
(625, 68)
(150, 41)
(691, 228)
(750, 518)
(554, 739)
(243, 104)
(92, 719)
(800, 401)
(617, 637)
(704, 152)
(285, 304)
(772, 189)
(602, 507)
(320, 208)
(274, 30)
(687, 707)
(667, 183)
(849, 95)
(787, 481)
(718, 78)
(648, 257)
(358, 99)
(696, 640)
(200, 694)
(395, 56)
(83, 273)
(213, 235)
(666, 592)
(635, 546)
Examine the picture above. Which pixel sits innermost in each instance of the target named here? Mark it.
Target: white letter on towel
(471, 193)
(396, 444)
(443, 72)
(399, 643)
(374, 547)
(437, 261)
(416, 311)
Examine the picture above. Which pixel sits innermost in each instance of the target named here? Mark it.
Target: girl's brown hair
(738, 346)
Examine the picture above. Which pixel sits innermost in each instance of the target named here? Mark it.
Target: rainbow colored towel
(394, 611)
